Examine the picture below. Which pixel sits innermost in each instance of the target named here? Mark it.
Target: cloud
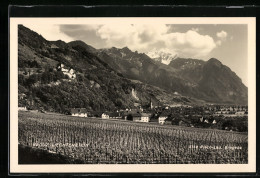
(195, 29)
(49, 32)
(143, 38)
(86, 33)
(190, 44)
(148, 37)
(222, 35)
(135, 36)
(75, 29)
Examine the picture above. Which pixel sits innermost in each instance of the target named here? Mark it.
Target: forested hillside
(97, 85)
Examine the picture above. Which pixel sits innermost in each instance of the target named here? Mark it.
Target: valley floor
(100, 141)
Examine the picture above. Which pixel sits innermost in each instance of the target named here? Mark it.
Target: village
(211, 116)
(223, 117)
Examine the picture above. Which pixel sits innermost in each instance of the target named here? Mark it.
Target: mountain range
(209, 80)
(162, 56)
(106, 77)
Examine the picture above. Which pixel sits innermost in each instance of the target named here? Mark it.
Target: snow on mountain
(162, 56)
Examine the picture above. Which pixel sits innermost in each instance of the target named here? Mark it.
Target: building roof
(114, 114)
(133, 111)
(136, 115)
(79, 110)
(145, 114)
(107, 113)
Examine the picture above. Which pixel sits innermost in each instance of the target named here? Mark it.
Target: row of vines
(96, 141)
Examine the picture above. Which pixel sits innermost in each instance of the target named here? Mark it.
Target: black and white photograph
(128, 92)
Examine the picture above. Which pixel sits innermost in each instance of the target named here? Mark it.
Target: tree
(129, 117)
(80, 78)
(31, 80)
(21, 79)
(118, 103)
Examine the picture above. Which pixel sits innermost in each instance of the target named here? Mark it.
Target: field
(30, 155)
(97, 141)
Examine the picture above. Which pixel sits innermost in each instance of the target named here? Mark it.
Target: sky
(226, 42)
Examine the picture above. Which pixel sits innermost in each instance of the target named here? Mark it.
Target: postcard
(136, 95)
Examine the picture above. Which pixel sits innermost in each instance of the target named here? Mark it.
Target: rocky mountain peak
(162, 56)
(126, 49)
(82, 44)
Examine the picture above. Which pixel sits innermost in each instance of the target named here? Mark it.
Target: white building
(145, 117)
(239, 113)
(67, 71)
(22, 109)
(105, 116)
(162, 119)
(79, 112)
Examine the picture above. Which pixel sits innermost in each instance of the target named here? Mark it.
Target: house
(145, 117)
(115, 115)
(79, 112)
(70, 72)
(105, 116)
(185, 122)
(22, 108)
(206, 121)
(162, 118)
(214, 122)
(240, 113)
(60, 67)
(136, 117)
(132, 111)
(21, 96)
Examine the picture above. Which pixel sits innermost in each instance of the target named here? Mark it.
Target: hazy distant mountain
(162, 56)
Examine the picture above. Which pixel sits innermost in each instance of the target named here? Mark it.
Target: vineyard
(97, 141)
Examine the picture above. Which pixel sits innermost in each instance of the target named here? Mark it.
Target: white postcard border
(135, 168)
